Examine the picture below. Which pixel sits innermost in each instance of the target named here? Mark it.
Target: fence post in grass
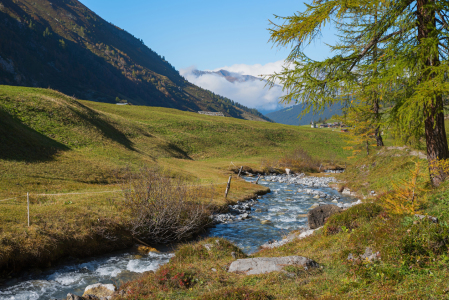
(240, 171)
(257, 180)
(228, 187)
(28, 208)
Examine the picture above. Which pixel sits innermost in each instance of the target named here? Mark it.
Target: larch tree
(391, 53)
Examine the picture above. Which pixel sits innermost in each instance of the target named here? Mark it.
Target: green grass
(413, 263)
(413, 252)
(52, 143)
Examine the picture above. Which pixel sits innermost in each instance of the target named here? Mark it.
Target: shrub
(406, 197)
(351, 218)
(172, 278)
(424, 240)
(237, 293)
(163, 209)
(297, 161)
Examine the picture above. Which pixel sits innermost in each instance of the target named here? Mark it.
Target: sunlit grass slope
(52, 142)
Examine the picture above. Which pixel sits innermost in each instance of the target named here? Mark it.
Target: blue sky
(206, 34)
(210, 35)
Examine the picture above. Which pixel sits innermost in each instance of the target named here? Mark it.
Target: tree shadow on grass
(21, 143)
(107, 129)
(176, 152)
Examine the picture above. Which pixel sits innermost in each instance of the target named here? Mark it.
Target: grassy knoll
(52, 143)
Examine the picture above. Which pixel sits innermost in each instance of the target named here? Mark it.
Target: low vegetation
(203, 151)
(297, 161)
(163, 209)
(68, 153)
(410, 252)
(410, 260)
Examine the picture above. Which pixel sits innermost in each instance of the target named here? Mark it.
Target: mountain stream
(269, 218)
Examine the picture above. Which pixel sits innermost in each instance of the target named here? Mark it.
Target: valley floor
(53, 144)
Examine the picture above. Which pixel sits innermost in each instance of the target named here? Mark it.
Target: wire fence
(27, 195)
(89, 193)
(8, 199)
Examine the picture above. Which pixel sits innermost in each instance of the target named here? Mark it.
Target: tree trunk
(436, 140)
(367, 148)
(379, 140)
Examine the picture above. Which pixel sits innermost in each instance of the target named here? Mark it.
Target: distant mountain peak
(229, 76)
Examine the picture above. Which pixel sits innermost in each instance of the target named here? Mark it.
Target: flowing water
(275, 214)
(284, 208)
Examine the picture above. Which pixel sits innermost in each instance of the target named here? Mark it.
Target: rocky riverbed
(308, 185)
(248, 224)
(267, 219)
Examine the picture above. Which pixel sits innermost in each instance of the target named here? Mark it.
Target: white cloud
(255, 70)
(253, 94)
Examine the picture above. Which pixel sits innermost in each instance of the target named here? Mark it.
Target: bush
(237, 293)
(298, 161)
(163, 209)
(425, 240)
(171, 278)
(351, 218)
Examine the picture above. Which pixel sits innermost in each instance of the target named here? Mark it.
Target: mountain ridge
(64, 45)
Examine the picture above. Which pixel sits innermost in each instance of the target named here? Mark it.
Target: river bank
(272, 216)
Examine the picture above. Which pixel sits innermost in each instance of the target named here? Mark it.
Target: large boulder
(100, 290)
(261, 265)
(318, 215)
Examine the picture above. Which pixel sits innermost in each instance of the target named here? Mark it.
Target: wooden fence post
(28, 208)
(240, 171)
(228, 187)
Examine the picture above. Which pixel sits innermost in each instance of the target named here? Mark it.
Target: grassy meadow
(413, 253)
(51, 143)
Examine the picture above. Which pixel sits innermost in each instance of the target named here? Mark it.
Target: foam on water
(139, 266)
(281, 207)
(74, 278)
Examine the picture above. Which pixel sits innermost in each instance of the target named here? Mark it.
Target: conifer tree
(392, 52)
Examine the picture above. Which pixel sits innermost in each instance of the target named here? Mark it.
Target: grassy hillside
(52, 143)
(64, 45)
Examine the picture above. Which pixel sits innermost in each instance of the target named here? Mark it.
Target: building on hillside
(324, 126)
(211, 113)
(121, 103)
(334, 125)
(313, 125)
